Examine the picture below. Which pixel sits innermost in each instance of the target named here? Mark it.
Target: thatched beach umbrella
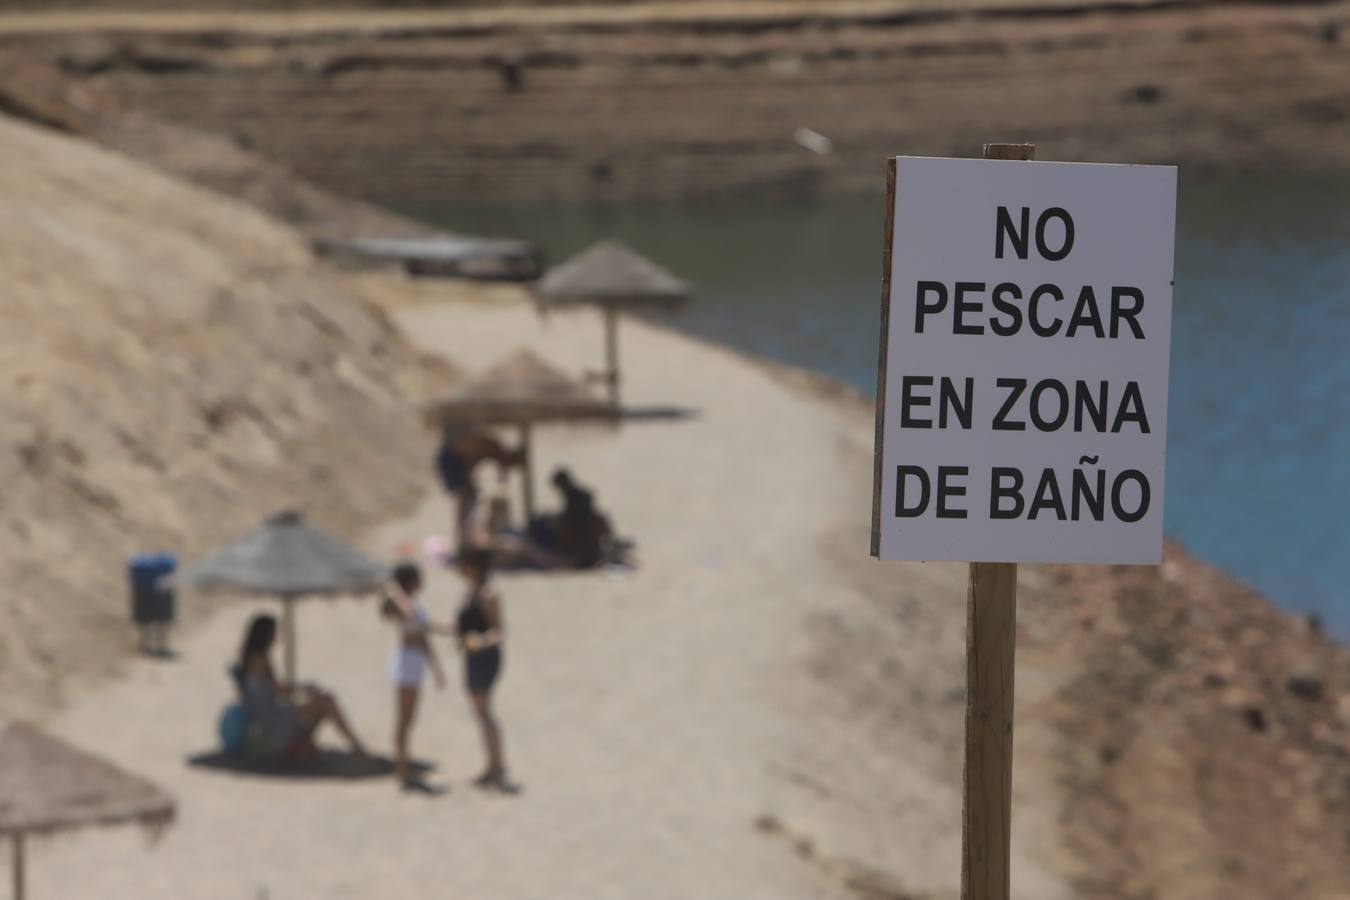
(46, 786)
(613, 277)
(288, 558)
(522, 390)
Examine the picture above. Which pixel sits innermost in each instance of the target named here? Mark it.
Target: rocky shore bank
(677, 100)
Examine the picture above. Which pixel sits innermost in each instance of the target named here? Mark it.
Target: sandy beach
(755, 712)
(653, 717)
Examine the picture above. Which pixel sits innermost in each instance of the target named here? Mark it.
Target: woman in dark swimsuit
(481, 630)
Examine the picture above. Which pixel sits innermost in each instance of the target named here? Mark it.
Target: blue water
(1258, 479)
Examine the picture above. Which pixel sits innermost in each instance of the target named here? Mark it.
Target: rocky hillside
(1206, 736)
(1179, 737)
(705, 98)
(176, 367)
(1176, 736)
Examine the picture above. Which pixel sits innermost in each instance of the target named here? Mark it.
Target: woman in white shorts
(412, 658)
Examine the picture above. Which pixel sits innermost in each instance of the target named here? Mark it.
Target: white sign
(1022, 403)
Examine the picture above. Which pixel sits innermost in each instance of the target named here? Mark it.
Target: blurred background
(201, 333)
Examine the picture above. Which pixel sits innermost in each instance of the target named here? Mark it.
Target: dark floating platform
(448, 256)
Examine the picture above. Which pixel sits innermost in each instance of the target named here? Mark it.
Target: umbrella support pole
(17, 864)
(612, 353)
(527, 474)
(288, 635)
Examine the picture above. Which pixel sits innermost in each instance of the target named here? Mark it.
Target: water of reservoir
(1258, 469)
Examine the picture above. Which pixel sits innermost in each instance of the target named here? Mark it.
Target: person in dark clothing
(578, 503)
(481, 630)
(580, 531)
(462, 449)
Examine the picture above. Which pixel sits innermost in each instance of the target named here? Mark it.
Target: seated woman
(287, 716)
(580, 530)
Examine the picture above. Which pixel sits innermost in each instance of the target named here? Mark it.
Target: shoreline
(648, 101)
(843, 398)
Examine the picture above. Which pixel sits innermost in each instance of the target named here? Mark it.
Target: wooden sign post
(20, 878)
(986, 819)
(991, 644)
(1021, 406)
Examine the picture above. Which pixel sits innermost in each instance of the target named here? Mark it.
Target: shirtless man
(462, 448)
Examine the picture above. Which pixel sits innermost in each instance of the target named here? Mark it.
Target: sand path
(651, 717)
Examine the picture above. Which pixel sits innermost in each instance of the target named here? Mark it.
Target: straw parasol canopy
(287, 557)
(613, 277)
(518, 389)
(521, 390)
(46, 785)
(609, 273)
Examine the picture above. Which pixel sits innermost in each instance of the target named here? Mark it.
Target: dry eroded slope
(174, 366)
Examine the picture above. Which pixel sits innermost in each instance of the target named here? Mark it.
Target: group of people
(291, 714)
(479, 631)
(577, 536)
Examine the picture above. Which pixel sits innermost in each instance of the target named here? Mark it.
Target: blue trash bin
(152, 601)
